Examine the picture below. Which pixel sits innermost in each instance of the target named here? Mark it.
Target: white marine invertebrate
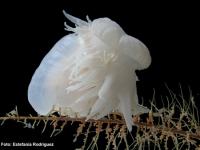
(91, 72)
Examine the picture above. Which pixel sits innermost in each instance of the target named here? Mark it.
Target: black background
(30, 28)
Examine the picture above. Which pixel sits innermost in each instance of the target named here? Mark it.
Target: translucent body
(91, 72)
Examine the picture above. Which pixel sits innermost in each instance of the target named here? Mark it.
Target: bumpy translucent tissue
(91, 72)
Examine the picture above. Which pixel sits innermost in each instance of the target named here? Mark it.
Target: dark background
(30, 28)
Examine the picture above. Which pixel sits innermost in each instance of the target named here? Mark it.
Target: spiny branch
(62, 118)
(149, 125)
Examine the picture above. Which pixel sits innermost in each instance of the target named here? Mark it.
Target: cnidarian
(91, 72)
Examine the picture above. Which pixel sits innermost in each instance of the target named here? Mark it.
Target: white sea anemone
(91, 72)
